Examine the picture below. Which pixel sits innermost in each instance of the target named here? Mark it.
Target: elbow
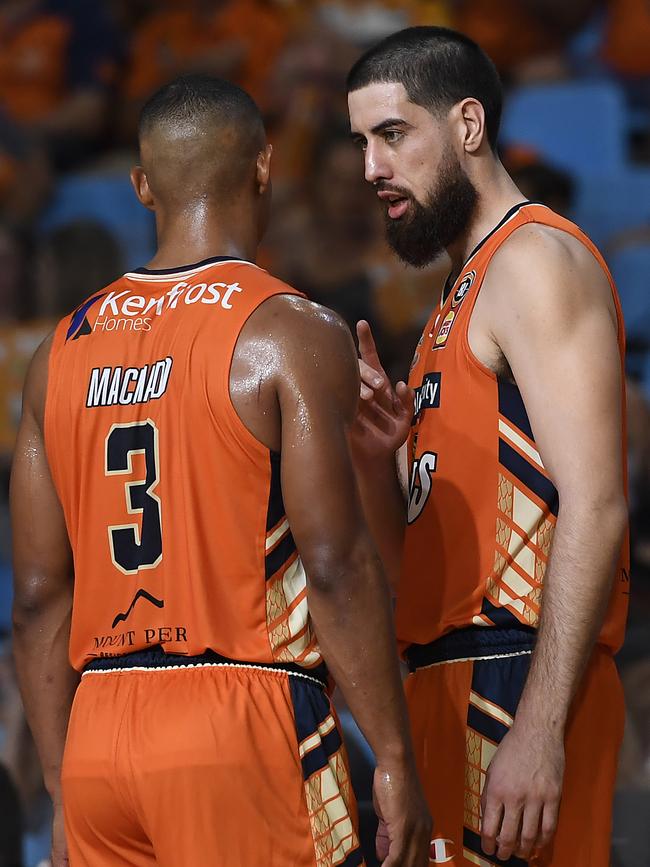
(606, 510)
(337, 574)
(33, 598)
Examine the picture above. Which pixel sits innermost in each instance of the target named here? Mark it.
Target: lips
(397, 204)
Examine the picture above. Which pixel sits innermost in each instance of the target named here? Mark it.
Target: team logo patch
(445, 328)
(463, 288)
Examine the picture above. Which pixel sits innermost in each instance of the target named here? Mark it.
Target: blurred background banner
(576, 136)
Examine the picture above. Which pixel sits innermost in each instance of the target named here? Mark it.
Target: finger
(376, 417)
(382, 841)
(367, 346)
(549, 823)
(406, 398)
(509, 833)
(491, 813)
(530, 826)
(366, 393)
(371, 376)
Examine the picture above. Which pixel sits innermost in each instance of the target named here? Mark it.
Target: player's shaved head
(199, 139)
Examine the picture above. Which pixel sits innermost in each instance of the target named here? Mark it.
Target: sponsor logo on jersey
(445, 328)
(118, 386)
(79, 325)
(441, 851)
(427, 396)
(127, 311)
(463, 288)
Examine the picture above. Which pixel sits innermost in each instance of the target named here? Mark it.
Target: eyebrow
(385, 124)
(380, 127)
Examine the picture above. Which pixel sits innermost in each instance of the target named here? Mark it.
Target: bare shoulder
(549, 270)
(297, 327)
(35, 388)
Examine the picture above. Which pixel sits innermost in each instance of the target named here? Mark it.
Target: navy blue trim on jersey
(486, 725)
(79, 316)
(311, 708)
(511, 406)
(501, 681)
(279, 556)
(538, 483)
(501, 617)
(449, 282)
(156, 657)
(472, 642)
(212, 260)
(472, 841)
(286, 548)
(354, 859)
(275, 512)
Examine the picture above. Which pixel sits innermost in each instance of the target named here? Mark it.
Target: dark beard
(425, 230)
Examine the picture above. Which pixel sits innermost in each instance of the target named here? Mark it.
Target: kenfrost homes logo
(441, 851)
(79, 325)
(126, 311)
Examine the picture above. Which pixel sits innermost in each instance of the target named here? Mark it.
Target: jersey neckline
(507, 216)
(211, 260)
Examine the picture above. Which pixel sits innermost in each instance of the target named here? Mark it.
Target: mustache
(382, 187)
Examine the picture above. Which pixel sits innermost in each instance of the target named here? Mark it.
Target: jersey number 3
(135, 547)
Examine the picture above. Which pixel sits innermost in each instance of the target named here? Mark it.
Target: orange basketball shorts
(222, 764)
(461, 705)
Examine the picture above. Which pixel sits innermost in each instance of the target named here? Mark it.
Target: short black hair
(191, 97)
(438, 68)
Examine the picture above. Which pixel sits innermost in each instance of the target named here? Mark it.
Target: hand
(385, 413)
(59, 856)
(404, 833)
(521, 796)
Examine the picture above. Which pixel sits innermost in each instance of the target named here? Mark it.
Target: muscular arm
(380, 428)
(558, 333)
(347, 588)
(43, 581)
(316, 382)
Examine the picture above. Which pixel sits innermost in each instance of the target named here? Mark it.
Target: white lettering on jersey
(124, 303)
(420, 487)
(110, 386)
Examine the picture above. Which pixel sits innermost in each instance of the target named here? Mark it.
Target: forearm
(47, 681)
(353, 619)
(384, 506)
(577, 589)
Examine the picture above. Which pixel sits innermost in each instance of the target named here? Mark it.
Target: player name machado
(113, 386)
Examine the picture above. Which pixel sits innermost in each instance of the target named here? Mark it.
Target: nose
(376, 166)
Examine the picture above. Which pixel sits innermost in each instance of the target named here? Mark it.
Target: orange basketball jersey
(174, 510)
(482, 509)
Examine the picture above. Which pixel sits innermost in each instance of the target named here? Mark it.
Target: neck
(497, 193)
(201, 232)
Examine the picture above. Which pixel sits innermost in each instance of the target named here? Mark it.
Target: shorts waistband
(155, 658)
(472, 642)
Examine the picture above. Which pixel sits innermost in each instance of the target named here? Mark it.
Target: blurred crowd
(73, 76)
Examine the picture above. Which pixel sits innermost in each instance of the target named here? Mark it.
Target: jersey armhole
(238, 428)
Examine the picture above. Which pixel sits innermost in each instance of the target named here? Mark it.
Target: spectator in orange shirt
(235, 39)
(57, 61)
(524, 38)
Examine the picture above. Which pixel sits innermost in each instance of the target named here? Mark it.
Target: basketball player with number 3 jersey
(510, 554)
(188, 531)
